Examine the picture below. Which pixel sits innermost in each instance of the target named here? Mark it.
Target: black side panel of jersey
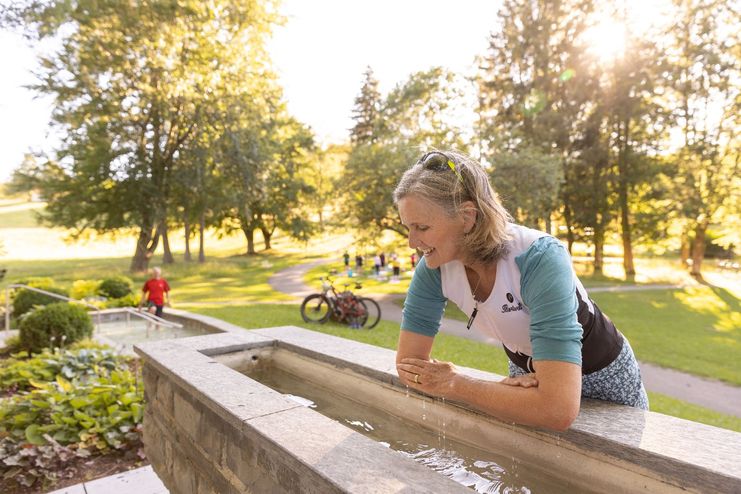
(601, 341)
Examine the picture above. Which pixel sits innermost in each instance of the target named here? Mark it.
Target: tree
(537, 92)
(706, 61)
(528, 181)
(418, 114)
(366, 111)
(132, 83)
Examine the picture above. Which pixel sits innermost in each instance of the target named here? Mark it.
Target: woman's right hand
(525, 381)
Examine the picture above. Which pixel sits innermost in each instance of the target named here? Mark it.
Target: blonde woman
(518, 286)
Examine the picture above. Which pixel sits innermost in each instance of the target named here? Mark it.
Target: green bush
(130, 300)
(55, 325)
(115, 287)
(37, 282)
(84, 289)
(25, 300)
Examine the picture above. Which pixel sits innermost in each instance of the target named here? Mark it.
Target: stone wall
(209, 428)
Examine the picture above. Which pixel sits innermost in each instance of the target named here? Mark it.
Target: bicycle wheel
(374, 312)
(316, 308)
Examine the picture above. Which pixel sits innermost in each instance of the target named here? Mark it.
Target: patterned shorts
(620, 382)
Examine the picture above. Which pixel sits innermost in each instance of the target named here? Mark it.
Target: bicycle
(343, 306)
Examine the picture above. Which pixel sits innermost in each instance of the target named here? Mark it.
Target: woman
(517, 285)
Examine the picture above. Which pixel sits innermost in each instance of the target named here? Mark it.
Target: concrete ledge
(263, 439)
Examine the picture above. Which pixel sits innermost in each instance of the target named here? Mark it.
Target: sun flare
(606, 40)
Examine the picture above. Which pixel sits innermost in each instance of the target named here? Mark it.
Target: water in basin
(127, 333)
(483, 471)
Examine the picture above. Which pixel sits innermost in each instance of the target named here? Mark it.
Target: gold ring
(416, 378)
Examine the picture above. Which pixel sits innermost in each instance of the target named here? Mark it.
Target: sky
(320, 55)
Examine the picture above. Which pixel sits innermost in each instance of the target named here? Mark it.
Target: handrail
(152, 318)
(50, 294)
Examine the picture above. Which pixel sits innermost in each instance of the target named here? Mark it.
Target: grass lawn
(461, 351)
(695, 330)
(19, 214)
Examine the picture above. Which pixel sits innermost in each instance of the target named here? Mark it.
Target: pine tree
(366, 111)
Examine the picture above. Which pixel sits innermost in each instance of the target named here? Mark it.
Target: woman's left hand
(431, 376)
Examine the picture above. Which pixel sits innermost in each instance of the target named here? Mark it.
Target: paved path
(708, 393)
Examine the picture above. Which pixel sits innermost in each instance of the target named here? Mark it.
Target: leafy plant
(56, 324)
(85, 359)
(115, 287)
(84, 289)
(130, 300)
(25, 300)
(79, 402)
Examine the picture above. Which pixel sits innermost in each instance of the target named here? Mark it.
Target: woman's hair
(449, 188)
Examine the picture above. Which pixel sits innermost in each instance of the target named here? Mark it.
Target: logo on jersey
(511, 308)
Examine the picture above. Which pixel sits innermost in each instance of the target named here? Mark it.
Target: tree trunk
(249, 234)
(201, 243)
(698, 248)
(624, 207)
(146, 244)
(266, 236)
(599, 248)
(186, 228)
(684, 250)
(548, 225)
(167, 255)
(569, 229)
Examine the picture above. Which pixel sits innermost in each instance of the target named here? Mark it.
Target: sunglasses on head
(438, 161)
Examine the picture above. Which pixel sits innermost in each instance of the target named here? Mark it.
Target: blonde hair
(449, 189)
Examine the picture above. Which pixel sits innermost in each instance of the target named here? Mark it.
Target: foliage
(82, 289)
(29, 464)
(135, 86)
(24, 300)
(115, 287)
(528, 182)
(57, 324)
(80, 360)
(130, 300)
(77, 402)
(705, 74)
(416, 115)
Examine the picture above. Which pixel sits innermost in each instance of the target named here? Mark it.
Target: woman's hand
(525, 381)
(429, 376)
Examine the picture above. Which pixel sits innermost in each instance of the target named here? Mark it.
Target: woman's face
(431, 230)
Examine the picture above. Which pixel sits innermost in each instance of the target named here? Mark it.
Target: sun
(606, 40)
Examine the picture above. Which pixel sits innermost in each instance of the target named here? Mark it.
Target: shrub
(130, 300)
(37, 282)
(25, 300)
(84, 289)
(78, 403)
(59, 323)
(115, 287)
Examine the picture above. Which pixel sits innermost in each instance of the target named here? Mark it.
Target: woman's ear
(468, 212)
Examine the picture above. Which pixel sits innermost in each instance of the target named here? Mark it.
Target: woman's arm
(415, 346)
(553, 403)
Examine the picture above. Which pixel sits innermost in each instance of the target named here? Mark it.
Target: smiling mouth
(426, 252)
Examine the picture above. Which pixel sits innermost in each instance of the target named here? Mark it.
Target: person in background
(518, 286)
(156, 293)
(346, 259)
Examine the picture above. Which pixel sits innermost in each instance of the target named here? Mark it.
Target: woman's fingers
(525, 381)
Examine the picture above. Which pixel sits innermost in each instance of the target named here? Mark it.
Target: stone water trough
(210, 427)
